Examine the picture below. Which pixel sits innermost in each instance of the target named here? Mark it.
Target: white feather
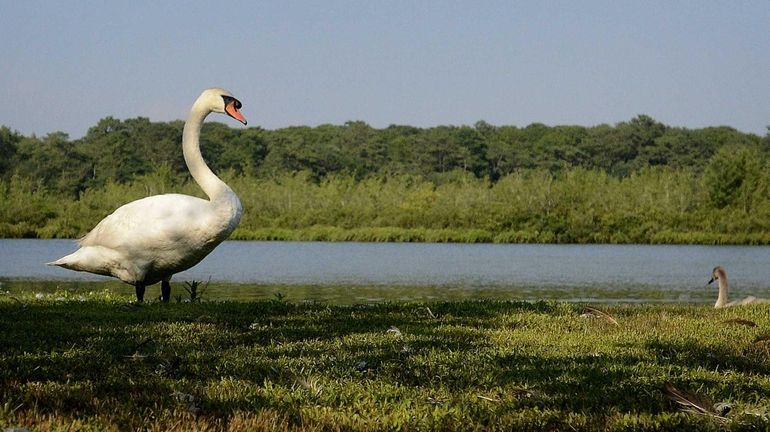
(152, 238)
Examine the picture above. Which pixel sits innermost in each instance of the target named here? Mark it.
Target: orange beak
(233, 112)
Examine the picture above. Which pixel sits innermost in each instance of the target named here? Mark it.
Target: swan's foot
(165, 291)
(139, 293)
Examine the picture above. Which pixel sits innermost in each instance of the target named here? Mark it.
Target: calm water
(354, 272)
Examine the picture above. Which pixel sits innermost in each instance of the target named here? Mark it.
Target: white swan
(719, 274)
(151, 239)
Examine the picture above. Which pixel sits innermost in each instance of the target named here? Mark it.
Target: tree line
(635, 181)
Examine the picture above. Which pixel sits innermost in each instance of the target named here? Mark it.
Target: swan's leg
(165, 290)
(139, 293)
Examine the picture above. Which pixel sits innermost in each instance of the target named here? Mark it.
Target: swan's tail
(68, 262)
(93, 259)
(102, 261)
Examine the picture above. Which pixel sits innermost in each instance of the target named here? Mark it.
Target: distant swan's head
(717, 274)
(221, 101)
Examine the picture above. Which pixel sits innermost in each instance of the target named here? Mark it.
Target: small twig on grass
(394, 331)
(740, 321)
(488, 398)
(688, 403)
(136, 356)
(762, 338)
(523, 392)
(590, 311)
(433, 400)
(8, 407)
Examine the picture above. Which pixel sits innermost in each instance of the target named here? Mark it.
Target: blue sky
(65, 65)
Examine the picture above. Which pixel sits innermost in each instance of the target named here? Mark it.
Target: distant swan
(150, 239)
(719, 274)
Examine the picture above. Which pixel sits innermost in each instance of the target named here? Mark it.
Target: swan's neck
(200, 171)
(722, 299)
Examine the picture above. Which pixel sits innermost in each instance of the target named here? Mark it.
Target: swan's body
(719, 274)
(150, 239)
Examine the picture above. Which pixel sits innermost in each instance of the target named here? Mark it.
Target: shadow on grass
(587, 382)
(153, 343)
(77, 357)
(710, 357)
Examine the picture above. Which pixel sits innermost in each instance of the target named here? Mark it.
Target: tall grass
(577, 206)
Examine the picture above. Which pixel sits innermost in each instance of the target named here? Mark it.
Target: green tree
(161, 144)
(506, 151)
(365, 148)
(246, 152)
(734, 175)
(9, 140)
(113, 151)
(54, 161)
(450, 148)
(765, 142)
(403, 149)
(637, 137)
(560, 147)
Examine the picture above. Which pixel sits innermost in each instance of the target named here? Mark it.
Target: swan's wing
(152, 238)
(154, 222)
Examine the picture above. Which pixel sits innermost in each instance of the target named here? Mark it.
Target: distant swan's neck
(722, 299)
(200, 171)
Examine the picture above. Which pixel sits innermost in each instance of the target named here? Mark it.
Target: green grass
(471, 235)
(98, 362)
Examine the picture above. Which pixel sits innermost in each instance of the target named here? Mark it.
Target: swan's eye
(231, 100)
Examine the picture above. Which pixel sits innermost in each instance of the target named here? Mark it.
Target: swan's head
(717, 274)
(221, 101)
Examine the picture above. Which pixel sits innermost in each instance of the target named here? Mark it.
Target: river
(354, 272)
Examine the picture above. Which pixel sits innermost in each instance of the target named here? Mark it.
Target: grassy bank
(469, 235)
(100, 363)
